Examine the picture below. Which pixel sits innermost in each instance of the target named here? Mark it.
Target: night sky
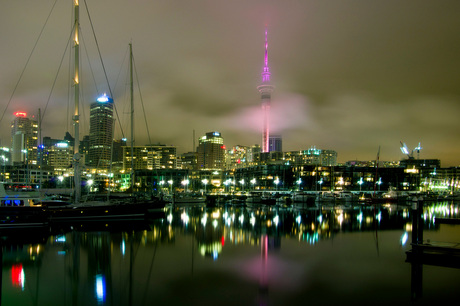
(349, 75)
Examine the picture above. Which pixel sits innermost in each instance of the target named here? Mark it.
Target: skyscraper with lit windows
(24, 136)
(275, 143)
(211, 152)
(101, 124)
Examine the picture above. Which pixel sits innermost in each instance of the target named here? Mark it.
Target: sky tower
(265, 90)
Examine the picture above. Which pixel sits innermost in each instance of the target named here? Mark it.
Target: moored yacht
(18, 195)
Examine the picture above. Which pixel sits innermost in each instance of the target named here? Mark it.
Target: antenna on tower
(265, 90)
(266, 71)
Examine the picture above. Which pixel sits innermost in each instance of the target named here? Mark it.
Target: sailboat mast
(376, 171)
(76, 117)
(131, 89)
(40, 149)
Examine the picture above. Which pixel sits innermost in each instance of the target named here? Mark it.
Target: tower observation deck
(265, 90)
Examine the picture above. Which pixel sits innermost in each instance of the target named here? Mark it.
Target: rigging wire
(142, 103)
(119, 75)
(57, 74)
(27, 62)
(102, 63)
(89, 63)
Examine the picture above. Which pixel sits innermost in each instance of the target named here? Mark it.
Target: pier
(441, 254)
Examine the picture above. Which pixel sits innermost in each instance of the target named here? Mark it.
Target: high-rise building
(59, 156)
(188, 161)
(266, 90)
(24, 136)
(253, 155)
(117, 152)
(237, 157)
(100, 133)
(211, 152)
(275, 143)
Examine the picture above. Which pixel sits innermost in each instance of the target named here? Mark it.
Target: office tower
(100, 133)
(265, 90)
(59, 156)
(211, 152)
(188, 161)
(24, 136)
(236, 157)
(117, 152)
(275, 143)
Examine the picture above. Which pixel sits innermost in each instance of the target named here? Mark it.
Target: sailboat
(91, 211)
(124, 208)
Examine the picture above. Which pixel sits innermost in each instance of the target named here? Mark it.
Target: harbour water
(198, 255)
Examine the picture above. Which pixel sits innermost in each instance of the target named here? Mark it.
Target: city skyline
(350, 76)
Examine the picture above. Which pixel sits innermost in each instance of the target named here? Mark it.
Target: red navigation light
(20, 114)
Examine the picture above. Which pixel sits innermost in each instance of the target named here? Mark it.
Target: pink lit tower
(265, 90)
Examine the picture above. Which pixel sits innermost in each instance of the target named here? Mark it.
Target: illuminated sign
(20, 114)
(104, 98)
(62, 145)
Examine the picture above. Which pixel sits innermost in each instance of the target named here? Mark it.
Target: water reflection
(201, 253)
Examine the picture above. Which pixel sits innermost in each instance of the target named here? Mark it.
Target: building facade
(24, 137)
(150, 157)
(312, 156)
(211, 152)
(100, 133)
(275, 143)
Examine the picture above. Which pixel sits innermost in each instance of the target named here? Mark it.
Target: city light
(205, 182)
(20, 114)
(100, 288)
(276, 181)
(104, 98)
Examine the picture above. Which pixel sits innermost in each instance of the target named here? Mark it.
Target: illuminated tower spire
(265, 90)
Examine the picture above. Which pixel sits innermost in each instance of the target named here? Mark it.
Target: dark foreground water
(234, 256)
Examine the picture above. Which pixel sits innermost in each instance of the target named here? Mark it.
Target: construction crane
(410, 154)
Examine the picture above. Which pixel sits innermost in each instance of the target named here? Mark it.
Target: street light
(253, 182)
(170, 182)
(360, 182)
(299, 181)
(90, 183)
(379, 182)
(242, 183)
(185, 183)
(226, 184)
(205, 182)
(276, 181)
(162, 182)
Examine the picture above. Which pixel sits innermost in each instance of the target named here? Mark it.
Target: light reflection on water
(232, 255)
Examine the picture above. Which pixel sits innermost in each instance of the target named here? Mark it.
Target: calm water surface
(199, 255)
